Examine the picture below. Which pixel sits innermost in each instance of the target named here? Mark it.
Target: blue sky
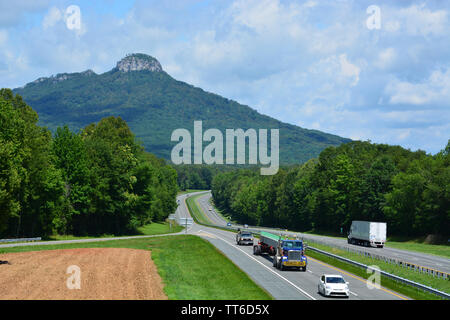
(311, 63)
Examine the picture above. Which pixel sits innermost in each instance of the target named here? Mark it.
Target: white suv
(333, 285)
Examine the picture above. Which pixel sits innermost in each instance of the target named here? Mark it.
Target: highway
(284, 285)
(422, 259)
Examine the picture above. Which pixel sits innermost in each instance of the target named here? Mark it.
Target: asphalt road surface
(284, 285)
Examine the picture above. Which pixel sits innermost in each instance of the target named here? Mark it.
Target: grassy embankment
(415, 245)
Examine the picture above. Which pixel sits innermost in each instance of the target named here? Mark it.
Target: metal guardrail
(257, 230)
(386, 274)
(401, 263)
(20, 240)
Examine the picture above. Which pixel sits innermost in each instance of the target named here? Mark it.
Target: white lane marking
(309, 271)
(353, 293)
(276, 273)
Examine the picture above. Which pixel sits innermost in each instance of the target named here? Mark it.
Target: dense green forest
(97, 181)
(200, 176)
(355, 181)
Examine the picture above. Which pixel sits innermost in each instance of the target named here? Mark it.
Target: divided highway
(285, 285)
(422, 259)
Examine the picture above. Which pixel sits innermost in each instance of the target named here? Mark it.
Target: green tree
(36, 187)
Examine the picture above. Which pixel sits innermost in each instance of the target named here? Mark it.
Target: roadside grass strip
(409, 291)
(154, 228)
(411, 244)
(191, 267)
(434, 249)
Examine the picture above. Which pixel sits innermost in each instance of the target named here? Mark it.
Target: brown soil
(106, 274)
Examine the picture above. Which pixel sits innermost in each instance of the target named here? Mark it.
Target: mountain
(154, 104)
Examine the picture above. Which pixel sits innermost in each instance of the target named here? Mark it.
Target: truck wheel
(279, 264)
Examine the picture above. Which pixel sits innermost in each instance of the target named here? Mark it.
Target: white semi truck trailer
(368, 233)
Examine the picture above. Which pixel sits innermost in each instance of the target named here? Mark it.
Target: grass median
(195, 210)
(191, 268)
(198, 216)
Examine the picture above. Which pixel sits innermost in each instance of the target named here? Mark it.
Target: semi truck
(285, 252)
(367, 233)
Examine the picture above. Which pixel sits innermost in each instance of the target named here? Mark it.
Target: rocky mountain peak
(139, 62)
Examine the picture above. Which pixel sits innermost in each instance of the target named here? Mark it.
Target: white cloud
(434, 90)
(420, 20)
(337, 70)
(417, 19)
(386, 58)
(349, 70)
(209, 51)
(53, 16)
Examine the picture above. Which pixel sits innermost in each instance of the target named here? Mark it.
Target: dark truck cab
(290, 254)
(287, 253)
